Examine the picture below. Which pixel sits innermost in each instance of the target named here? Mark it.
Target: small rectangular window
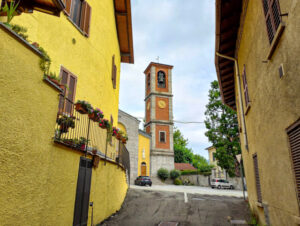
(68, 97)
(148, 81)
(245, 86)
(79, 12)
(272, 17)
(114, 73)
(162, 136)
(294, 140)
(257, 180)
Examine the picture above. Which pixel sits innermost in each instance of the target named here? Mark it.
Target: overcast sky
(182, 34)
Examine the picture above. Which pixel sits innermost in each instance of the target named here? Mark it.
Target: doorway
(143, 169)
(81, 209)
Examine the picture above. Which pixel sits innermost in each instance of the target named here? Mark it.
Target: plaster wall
(89, 58)
(39, 178)
(275, 105)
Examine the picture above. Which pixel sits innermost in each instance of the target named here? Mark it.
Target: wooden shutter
(85, 19)
(114, 72)
(245, 85)
(67, 9)
(272, 17)
(294, 139)
(257, 180)
(68, 96)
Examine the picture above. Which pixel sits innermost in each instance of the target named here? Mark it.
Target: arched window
(161, 79)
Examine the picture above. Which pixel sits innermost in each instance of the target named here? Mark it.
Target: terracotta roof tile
(184, 166)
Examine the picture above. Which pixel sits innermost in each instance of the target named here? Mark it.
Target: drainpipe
(240, 97)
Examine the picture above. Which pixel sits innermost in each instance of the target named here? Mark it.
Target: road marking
(197, 199)
(185, 197)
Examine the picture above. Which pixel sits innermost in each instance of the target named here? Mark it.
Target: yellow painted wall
(121, 127)
(275, 105)
(90, 59)
(144, 144)
(39, 178)
(218, 170)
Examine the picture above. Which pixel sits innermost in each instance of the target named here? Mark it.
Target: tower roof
(159, 65)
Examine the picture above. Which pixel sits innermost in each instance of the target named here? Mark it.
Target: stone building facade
(130, 125)
(159, 115)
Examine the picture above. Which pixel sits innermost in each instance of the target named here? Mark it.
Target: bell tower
(159, 115)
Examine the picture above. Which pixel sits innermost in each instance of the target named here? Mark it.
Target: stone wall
(132, 127)
(203, 181)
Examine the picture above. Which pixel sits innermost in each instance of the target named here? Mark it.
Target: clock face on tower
(161, 104)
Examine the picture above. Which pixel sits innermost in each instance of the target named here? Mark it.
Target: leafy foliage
(10, 9)
(177, 181)
(195, 172)
(163, 174)
(183, 154)
(174, 174)
(222, 130)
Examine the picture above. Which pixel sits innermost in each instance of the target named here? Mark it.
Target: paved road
(193, 190)
(146, 207)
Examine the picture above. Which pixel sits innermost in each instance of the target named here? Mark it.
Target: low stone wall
(204, 181)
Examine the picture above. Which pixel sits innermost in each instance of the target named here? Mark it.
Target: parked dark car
(143, 181)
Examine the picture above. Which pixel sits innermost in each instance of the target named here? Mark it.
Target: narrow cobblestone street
(145, 207)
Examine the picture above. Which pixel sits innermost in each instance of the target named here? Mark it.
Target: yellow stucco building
(217, 171)
(144, 154)
(53, 174)
(257, 48)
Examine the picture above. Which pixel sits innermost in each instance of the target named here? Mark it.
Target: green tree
(201, 163)
(182, 154)
(222, 130)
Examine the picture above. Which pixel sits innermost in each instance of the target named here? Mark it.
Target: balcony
(76, 130)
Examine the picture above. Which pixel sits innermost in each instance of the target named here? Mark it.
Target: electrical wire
(176, 121)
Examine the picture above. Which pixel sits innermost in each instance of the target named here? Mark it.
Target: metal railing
(79, 132)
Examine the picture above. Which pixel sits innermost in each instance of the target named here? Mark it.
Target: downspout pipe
(240, 97)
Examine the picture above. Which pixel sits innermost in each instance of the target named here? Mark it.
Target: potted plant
(120, 135)
(82, 142)
(95, 114)
(104, 123)
(115, 131)
(69, 142)
(124, 138)
(65, 122)
(55, 79)
(83, 107)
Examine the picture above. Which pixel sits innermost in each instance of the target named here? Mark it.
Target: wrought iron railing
(79, 132)
(124, 159)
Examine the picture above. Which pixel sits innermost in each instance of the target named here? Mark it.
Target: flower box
(80, 109)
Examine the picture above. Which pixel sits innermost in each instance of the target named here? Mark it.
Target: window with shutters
(79, 12)
(162, 136)
(245, 86)
(272, 17)
(257, 180)
(114, 73)
(294, 140)
(68, 96)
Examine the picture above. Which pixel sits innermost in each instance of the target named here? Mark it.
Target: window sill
(259, 204)
(76, 26)
(47, 80)
(276, 40)
(248, 108)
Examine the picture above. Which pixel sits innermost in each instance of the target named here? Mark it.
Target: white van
(221, 183)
